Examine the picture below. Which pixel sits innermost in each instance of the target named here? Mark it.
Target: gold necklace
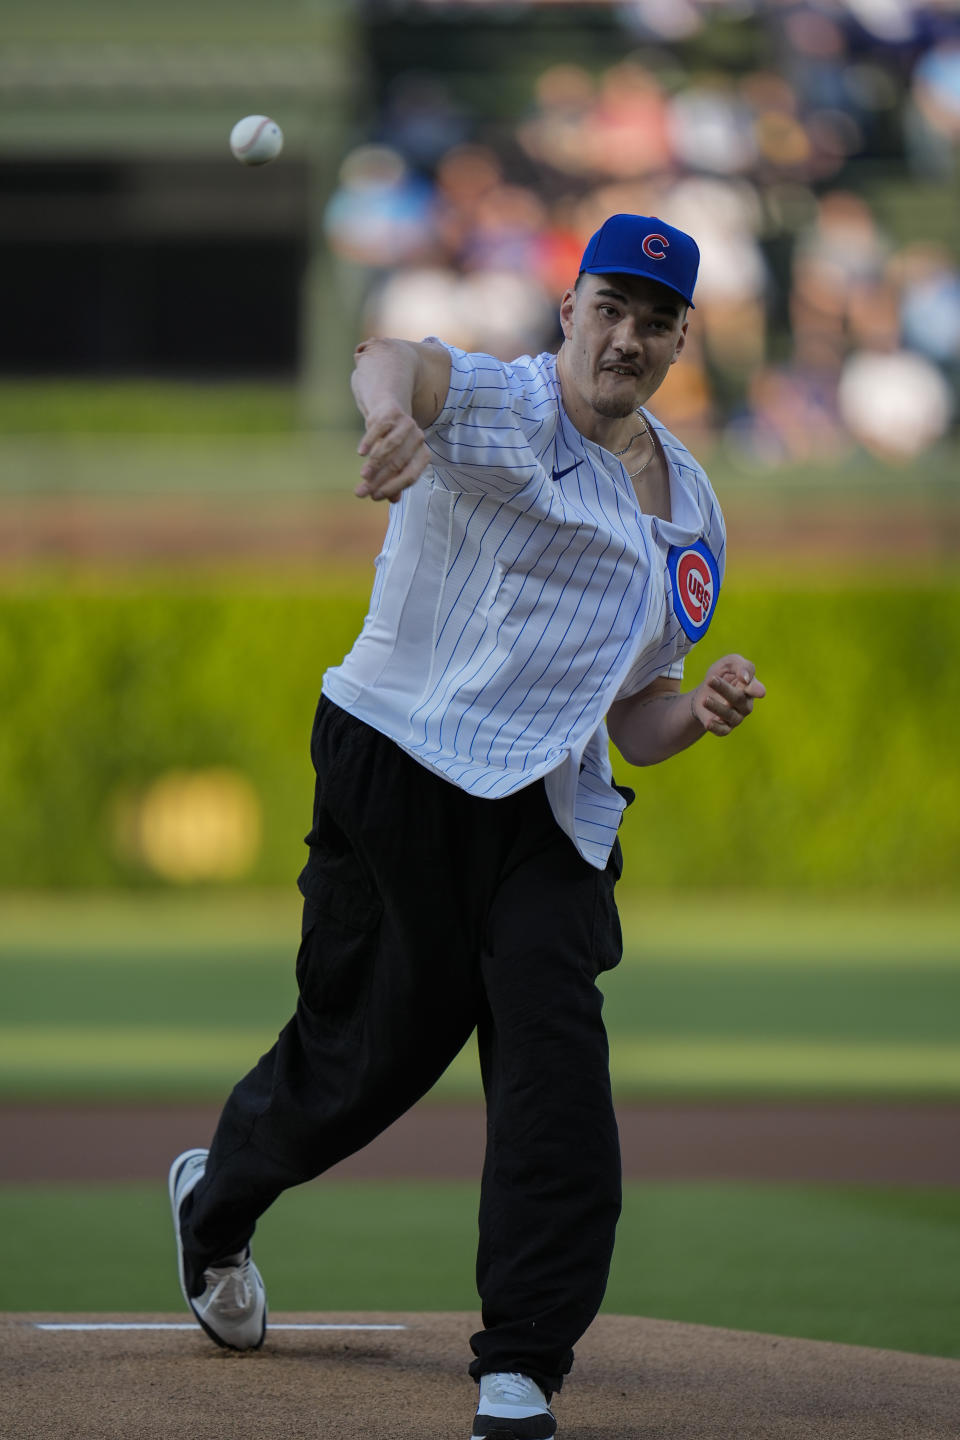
(635, 436)
(632, 474)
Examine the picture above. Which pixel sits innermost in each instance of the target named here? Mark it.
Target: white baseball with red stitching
(256, 139)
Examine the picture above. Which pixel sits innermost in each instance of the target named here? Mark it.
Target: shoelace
(512, 1387)
(232, 1290)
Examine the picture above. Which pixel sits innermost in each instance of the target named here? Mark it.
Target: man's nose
(625, 337)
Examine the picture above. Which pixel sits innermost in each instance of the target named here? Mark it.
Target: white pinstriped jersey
(519, 591)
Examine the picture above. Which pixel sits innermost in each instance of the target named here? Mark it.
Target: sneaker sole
(176, 1170)
(506, 1429)
(509, 1434)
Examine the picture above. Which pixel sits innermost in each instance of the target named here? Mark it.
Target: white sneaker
(233, 1306)
(512, 1407)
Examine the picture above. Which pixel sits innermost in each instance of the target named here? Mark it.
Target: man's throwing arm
(400, 388)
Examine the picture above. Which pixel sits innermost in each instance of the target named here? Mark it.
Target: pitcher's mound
(633, 1380)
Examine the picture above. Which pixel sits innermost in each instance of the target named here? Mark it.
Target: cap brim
(632, 270)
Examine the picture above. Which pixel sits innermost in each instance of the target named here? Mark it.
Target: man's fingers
(395, 459)
(740, 666)
(736, 669)
(717, 726)
(729, 709)
(723, 687)
(732, 694)
(390, 482)
(401, 470)
(388, 434)
(376, 431)
(727, 693)
(388, 457)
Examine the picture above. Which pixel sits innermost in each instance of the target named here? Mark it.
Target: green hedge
(846, 776)
(107, 688)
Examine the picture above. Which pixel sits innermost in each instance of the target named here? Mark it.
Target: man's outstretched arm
(660, 720)
(400, 388)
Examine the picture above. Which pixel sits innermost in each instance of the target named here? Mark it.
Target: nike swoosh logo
(559, 474)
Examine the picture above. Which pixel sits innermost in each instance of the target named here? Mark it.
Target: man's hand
(660, 720)
(400, 389)
(395, 451)
(725, 696)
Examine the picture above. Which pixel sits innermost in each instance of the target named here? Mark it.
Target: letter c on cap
(655, 247)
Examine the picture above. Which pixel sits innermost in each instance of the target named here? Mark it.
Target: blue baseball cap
(644, 245)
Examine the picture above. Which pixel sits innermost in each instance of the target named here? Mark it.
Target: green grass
(145, 407)
(252, 464)
(121, 435)
(749, 995)
(160, 996)
(850, 1264)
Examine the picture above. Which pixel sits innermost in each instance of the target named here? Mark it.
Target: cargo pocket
(340, 939)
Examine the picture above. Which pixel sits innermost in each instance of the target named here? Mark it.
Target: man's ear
(567, 306)
(681, 341)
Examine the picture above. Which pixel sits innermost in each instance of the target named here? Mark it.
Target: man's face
(622, 333)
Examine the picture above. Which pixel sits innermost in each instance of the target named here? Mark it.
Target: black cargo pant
(430, 912)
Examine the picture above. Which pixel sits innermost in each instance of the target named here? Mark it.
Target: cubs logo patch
(655, 247)
(695, 580)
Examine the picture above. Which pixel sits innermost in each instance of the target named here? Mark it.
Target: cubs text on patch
(695, 578)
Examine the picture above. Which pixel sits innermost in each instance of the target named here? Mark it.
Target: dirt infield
(902, 1144)
(633, 1380)
(290, 528)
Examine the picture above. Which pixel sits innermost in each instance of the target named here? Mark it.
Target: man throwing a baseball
(551, 555)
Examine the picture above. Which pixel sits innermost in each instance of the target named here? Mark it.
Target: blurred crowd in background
(819, 328)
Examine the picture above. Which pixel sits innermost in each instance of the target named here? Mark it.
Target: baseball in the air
(256, 139)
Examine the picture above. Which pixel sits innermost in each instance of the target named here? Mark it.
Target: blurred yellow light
(193, 825)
